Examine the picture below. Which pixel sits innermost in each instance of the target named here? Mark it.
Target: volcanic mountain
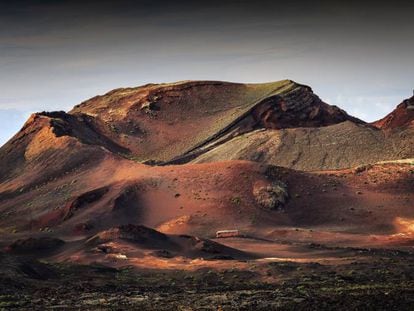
(200, 156)
(281, 123)
(401, 117)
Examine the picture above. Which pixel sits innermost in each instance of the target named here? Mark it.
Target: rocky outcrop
(299, 107)
(271, 196)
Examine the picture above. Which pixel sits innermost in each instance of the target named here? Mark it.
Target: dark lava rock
(35, 244)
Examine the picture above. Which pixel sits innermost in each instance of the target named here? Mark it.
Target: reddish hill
(50, 145)
(162, 122)
(113, 191)
(401, 117)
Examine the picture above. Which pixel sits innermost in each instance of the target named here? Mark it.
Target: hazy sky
(55, 54)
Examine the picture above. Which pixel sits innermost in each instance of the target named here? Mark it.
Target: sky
(56, 54)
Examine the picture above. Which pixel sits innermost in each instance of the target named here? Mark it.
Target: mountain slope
(338, 146)
(113, 191)
(401, 117)
(164, 122)
(160, 123)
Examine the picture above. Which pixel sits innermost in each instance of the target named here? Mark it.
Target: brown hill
(367, 206)
(338, 146)
(50, 145)
(401, 117)
(163, 122)
(111, 191)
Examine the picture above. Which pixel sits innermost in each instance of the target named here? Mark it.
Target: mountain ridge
(124, 119)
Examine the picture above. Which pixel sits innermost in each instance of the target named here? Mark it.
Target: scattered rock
(271, 196)
(163, 253)
(35, 244)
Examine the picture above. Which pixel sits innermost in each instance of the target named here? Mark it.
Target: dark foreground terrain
(378, 280)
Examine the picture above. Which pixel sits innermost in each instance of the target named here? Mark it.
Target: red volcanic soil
(362, 206)
(182, 199)
(402, 116)
(365, 206)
